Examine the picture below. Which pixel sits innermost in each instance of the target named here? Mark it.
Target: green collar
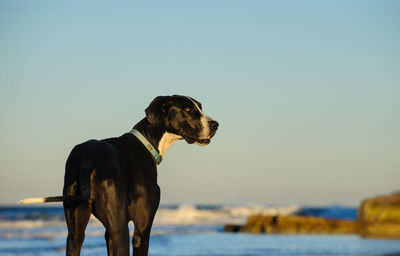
(157, 157)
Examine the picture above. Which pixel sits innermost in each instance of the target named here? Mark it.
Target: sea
(187, 230)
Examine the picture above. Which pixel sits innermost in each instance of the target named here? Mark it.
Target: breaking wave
(218, 215)
(48, 222)
(36, 217)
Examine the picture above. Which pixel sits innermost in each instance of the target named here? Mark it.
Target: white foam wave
(32, 224)
(44, 234)
(190, 215)
(183, 219)
(183, 215)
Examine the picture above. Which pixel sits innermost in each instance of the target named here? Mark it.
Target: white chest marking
(166, 141)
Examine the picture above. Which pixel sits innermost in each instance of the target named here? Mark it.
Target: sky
(306, 94)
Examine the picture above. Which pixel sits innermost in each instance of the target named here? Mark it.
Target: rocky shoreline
(294, 225)
(378, 217)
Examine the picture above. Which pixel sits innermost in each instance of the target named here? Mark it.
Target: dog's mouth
(211, 135)
(201, 142)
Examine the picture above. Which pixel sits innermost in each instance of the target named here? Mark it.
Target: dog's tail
(51, 199)
(86, 176)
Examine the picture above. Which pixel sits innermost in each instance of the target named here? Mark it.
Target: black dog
(116, 179)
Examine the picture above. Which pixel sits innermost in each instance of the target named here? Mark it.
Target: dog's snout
(213, 125)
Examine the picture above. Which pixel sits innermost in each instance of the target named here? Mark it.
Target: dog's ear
(157, 108)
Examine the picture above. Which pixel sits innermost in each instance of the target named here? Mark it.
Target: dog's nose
(213, 125)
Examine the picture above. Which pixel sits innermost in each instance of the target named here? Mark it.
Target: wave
(175, 215)
(195, 215)
(27, 217)
(49, 224)
(32, 224)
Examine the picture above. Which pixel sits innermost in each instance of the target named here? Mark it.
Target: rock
(294, 225)
(233, 228)
(377, 217)
(380, 217)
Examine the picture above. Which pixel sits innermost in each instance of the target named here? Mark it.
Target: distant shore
(378, 217)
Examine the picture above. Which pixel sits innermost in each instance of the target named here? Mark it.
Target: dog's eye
(187, 109)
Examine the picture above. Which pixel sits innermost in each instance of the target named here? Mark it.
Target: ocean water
(186, 230)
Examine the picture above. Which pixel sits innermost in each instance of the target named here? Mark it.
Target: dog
(115, 179)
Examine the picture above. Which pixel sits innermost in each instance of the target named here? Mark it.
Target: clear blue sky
(306, 92)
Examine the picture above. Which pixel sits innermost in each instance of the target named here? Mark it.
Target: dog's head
(183, 116)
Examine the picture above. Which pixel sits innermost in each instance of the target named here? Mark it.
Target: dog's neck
(156, 135)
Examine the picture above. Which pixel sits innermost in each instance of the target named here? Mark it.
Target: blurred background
(306, 94)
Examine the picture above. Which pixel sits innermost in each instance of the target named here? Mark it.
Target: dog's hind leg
(114, 218)
(77, 217)
(109, 207)
(78, 179)
(115, 239)
(143, 215)
(110, 250)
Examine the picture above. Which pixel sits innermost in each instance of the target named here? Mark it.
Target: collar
(157, 157)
